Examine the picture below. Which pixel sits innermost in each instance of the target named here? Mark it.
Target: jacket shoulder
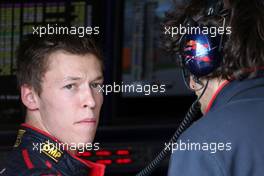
(25, 163)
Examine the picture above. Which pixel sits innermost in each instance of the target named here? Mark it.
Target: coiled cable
(190, 117)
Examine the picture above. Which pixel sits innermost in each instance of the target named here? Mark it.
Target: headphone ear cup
(200, 55)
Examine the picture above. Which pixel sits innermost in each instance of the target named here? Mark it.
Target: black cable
(190, 117)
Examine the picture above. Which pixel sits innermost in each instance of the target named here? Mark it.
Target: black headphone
(202, 53)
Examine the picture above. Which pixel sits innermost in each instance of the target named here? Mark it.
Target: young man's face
(70, 101)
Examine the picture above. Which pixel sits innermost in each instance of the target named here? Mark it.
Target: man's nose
(88, 100)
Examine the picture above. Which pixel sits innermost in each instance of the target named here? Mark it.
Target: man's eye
(95, 85)
(69, 86)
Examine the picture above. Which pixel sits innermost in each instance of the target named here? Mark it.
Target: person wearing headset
(58, 77)
(226, 72)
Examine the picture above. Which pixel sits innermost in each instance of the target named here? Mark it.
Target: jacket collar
(234, 90)
(54, 150)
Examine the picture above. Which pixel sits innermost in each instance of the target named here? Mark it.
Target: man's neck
(34, 119)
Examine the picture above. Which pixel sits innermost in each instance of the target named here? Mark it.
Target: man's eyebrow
(71, 78)
(99, 78)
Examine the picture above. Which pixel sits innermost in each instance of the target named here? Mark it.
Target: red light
(122, 152)
(84, 154)
(124, 161)
(103, 153)
(106, 162)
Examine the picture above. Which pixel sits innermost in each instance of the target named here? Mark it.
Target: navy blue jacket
(37, 153)
(229, 139)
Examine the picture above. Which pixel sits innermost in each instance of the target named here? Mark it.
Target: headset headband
(201, 53)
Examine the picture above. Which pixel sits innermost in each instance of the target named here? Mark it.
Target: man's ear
(29, 97)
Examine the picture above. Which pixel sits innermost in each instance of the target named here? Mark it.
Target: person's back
(229, 139)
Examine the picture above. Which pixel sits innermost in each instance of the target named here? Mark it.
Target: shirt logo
(19, 137)
(51, 150)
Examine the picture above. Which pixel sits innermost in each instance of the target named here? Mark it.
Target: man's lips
(87, 120)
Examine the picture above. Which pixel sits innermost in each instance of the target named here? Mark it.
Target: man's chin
(85, 141)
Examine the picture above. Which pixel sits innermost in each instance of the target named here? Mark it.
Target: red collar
(219, 89)
(96, 169)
